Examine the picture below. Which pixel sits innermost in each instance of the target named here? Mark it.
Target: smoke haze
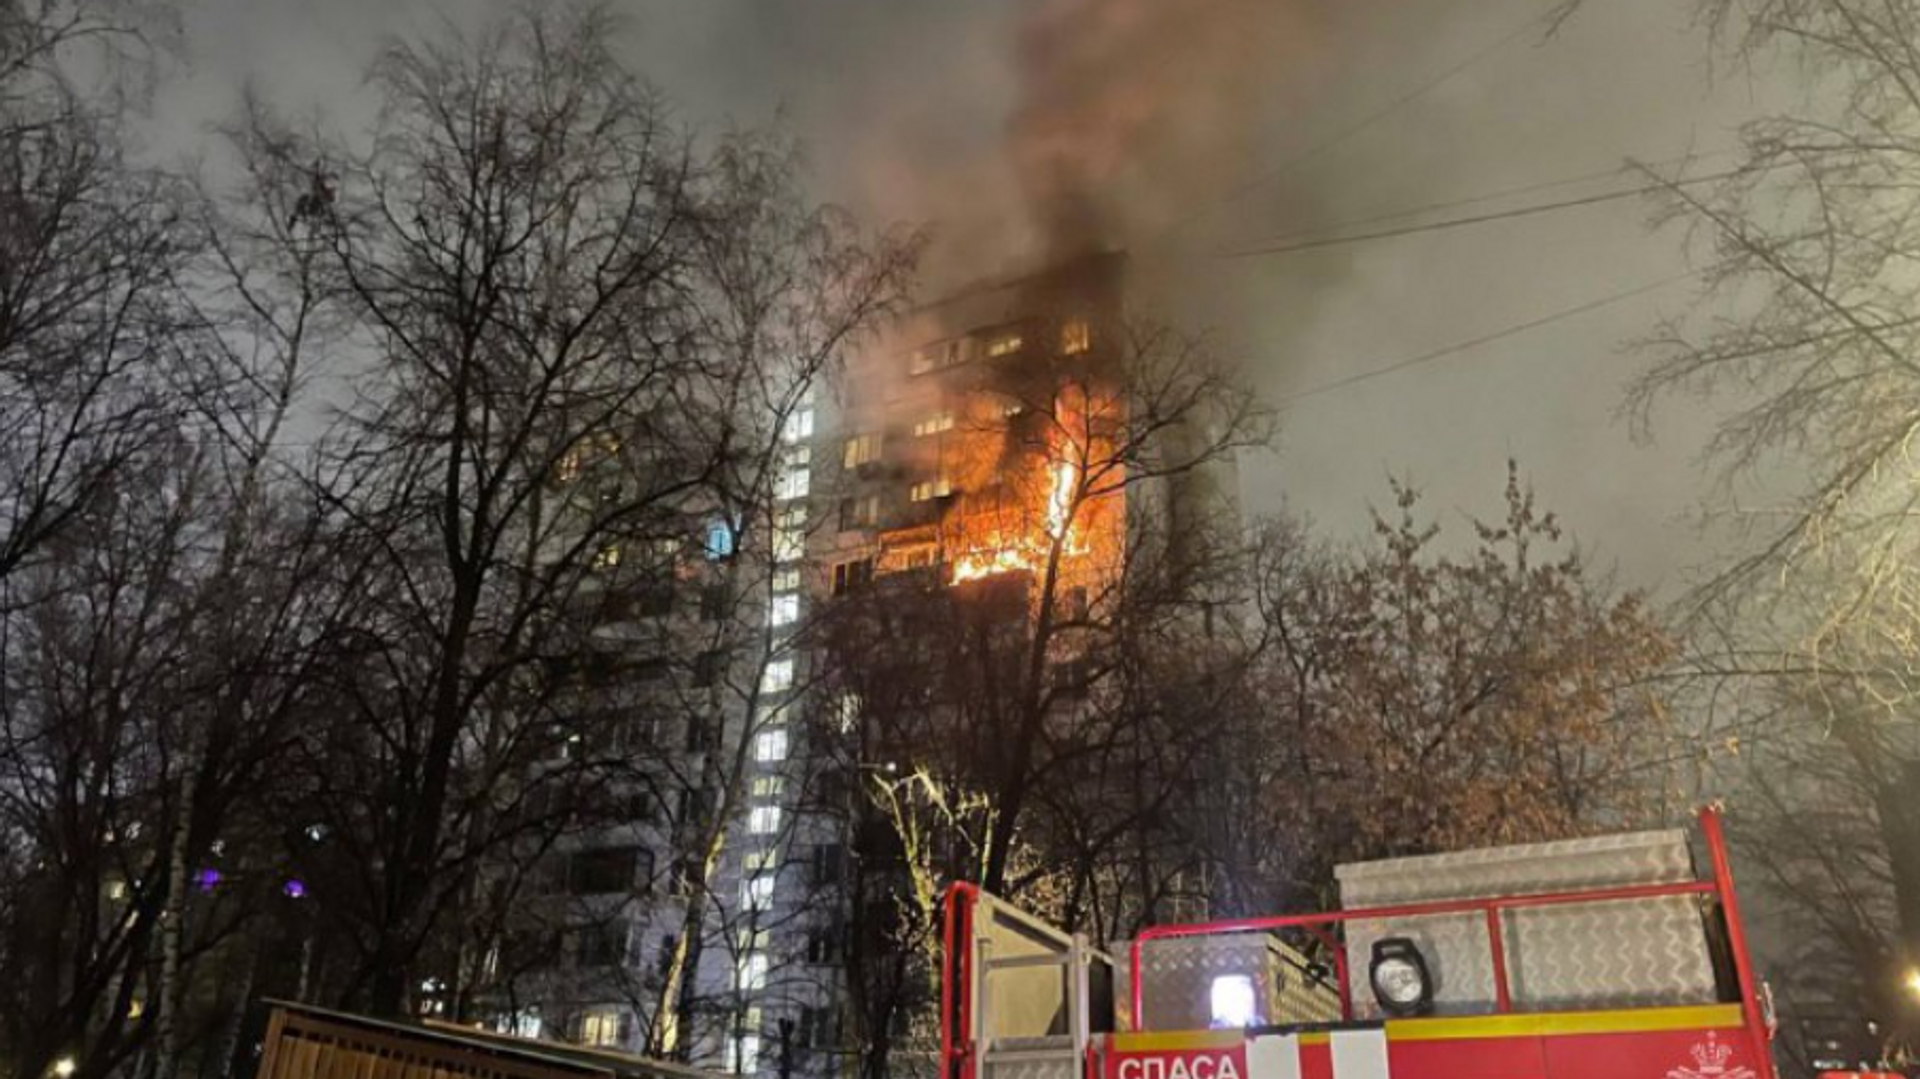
(1178, 128)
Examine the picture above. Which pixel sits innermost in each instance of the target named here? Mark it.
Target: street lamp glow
(64, 1067)
(1913, 982)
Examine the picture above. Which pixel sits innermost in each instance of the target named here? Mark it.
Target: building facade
(971, 447)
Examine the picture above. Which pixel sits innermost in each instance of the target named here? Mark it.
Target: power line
(1482, 219)
(1486, 339)
(1487, 217)
(1494, 196)
(1240, 191)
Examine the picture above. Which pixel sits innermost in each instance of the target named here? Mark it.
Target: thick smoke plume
(1132, 115)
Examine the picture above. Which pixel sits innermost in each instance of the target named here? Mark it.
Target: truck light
(1399, 975)
(1233, 1002)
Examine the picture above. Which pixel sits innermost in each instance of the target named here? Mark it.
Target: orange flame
(998, 554)
(1060, 500)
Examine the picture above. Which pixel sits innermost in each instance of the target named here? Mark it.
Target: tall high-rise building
(978, 445)
(955, 443)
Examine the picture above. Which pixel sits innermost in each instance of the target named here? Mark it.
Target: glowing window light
(1233, 1002)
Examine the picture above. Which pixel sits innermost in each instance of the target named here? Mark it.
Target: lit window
(790, 535)
(799, 425)
(861, 450)
(753, 972)
(916, 556)
(786, 579)
(757, 891)
(846, 711)
(1076, 337)
(770, 746)
(607, 557)
(600, 1027)
(1005, 344)
(746, 1053)
(932, 489)
(764, 820)
(794, 483)
(777, 677)
(785, 610)
(934, 424)
(522, 1024)
(768, 786)
(719, 540)
(758, 861)
(935, 356)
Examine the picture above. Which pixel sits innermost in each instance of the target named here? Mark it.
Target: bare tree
(581, 334)
(1807, 335)
(981, 694)
(88, 303)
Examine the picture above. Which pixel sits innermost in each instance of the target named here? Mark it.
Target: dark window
(693, 804)
(832, 785)
(703, 734)
(1071, 678)
(707, 667)
(600, 670)
(819, 1028)
(713, 603)
(822, 947)
(848, 576)
(1075, 607)
(829, 860)
(603, 871)
(601, 945)
(858, 513)
(643, 730)
(655, 601)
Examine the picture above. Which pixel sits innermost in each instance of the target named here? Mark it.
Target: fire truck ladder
(1034, 996)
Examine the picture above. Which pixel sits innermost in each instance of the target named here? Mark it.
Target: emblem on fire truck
(1710, 1062)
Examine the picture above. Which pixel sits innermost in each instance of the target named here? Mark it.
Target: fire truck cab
(1599, 958)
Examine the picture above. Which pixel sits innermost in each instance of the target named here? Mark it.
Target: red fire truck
(1602, 958)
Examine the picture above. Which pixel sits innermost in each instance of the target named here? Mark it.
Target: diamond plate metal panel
(1635, 952)
(1177, 976)
(1065, 1065)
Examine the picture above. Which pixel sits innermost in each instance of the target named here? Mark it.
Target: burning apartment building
(976, 440)
(953, 511)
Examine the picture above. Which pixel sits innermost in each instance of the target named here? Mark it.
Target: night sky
(1256, 119)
